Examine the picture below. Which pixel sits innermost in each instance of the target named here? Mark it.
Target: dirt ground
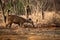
(29, 34)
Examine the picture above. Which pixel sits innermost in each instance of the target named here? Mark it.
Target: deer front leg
(21, 25)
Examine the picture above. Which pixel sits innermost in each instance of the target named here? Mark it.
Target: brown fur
(17, 20)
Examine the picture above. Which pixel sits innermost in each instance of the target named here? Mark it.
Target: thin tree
(3, 7)
(28, 10)
(44, 2)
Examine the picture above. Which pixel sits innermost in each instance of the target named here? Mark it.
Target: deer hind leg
(9, 25)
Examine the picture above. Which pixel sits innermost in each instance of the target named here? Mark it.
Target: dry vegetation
(46, 22)
(45, 29)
